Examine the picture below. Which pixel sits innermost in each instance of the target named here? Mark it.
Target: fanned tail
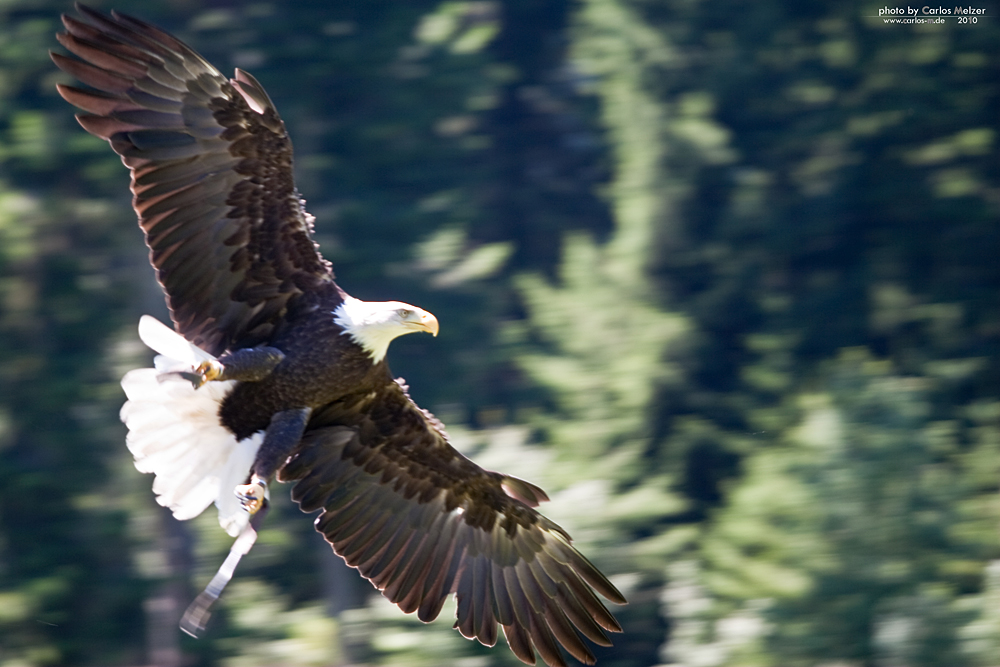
(175, 432)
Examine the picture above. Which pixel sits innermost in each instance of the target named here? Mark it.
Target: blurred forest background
(720, 276)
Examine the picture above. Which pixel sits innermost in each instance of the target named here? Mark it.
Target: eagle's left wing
(421, 521)
(211, 167)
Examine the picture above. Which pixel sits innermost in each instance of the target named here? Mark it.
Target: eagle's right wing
(421, 521)
(212, 176)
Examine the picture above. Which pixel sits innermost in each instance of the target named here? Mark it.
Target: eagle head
(373, 324)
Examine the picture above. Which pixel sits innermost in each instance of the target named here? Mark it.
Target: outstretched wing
(421, 521)
(211, 172)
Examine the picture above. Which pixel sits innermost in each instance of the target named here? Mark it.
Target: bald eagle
(272, 371)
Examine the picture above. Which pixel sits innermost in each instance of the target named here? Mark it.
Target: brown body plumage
(231, 244)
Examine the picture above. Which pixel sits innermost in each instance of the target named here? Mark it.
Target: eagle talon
(251, 495)
(207, 371)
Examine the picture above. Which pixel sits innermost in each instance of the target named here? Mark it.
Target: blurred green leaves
(463, 27)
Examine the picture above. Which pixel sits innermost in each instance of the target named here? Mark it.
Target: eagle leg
(250, 364)
(281, 436)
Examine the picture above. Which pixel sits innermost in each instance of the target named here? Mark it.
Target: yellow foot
(207, 371)
(251, 495)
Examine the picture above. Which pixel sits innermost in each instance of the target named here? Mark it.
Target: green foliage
(857, 539)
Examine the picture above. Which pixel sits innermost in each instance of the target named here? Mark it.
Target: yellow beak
(428, 323)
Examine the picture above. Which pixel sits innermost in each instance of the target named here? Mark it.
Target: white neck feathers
(366, 326)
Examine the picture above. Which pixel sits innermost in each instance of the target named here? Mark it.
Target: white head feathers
(373, 324)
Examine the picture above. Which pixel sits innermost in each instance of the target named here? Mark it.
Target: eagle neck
(372, 338)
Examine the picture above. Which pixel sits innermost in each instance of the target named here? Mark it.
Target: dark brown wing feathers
(421, 521)
(211, 174)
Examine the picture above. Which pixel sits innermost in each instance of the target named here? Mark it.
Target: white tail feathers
(170, 344)
(175, 432)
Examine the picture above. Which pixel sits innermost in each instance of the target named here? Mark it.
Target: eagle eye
(404, 313)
